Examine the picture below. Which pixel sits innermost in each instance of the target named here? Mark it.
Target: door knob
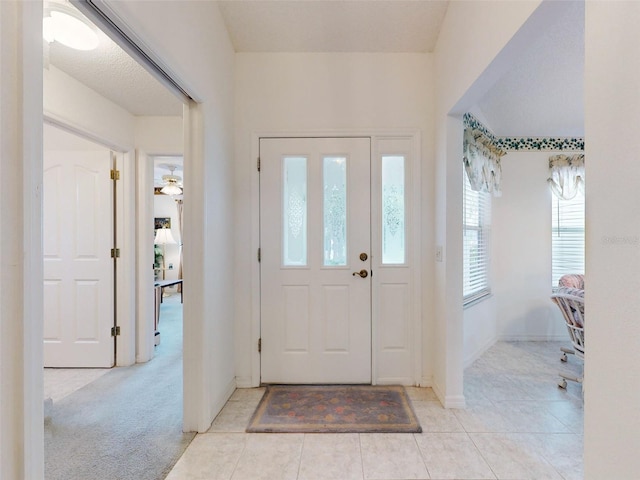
(362, 273)
(363, 257)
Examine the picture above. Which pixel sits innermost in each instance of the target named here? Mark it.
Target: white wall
(198, 53)
(612, 116)
(322, 92)
(521, 251)
(472, 38)
(480, 328)
(159, 135)
(77, 106)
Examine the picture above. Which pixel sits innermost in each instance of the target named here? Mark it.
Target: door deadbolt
(362, 273)
(363, 257)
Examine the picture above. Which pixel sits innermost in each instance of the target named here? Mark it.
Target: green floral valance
(482, 162)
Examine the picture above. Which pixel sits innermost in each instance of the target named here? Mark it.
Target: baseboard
(449, 401)
(426, 382)
(478, 353)
(244, 382)
(533, 338)
(405, 381)
(219, 404)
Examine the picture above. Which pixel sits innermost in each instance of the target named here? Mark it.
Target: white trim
(425, 382)
(244, 382)
(125, 275)
(144, 253)
(414, 254)
(62, 123)
(532, 338)
(406, 381)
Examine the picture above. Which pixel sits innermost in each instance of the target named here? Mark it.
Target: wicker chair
(570, 299)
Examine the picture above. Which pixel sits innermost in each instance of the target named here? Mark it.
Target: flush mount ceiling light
(63, 23)
(171, 183)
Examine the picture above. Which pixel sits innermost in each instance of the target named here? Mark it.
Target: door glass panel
(393, 212)
(335, 210)
(294, 214)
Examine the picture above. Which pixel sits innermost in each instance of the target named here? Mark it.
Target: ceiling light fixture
(63, 23)
(171, 181)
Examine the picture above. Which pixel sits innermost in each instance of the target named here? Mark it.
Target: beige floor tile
(249, 395)
(563, 451)
(270, 456)
(433, 417)
(234, 417)
(327, 456)
(211, 456)
(511, 458)
(423, 394)
(452, 456)
(389, 456)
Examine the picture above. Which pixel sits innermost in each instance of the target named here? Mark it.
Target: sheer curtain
(566, 175)
(179, 208)
(482, 162)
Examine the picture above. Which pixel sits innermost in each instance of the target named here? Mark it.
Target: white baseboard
(533, 338)
(245, 382)
(219, 404)
(449, 401)
(405, 381)
(478, 353)
(426, 382)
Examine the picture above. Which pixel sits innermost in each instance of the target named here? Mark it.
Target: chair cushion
(574, 280)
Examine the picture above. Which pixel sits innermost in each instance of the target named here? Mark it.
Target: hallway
(126, 423)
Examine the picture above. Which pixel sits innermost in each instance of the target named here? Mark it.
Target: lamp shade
(164, 237)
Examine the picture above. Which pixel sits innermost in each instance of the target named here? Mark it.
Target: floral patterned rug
(334, 409)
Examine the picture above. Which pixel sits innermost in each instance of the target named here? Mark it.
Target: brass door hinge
(115, 331)
(258, 163)
(115, 174)
(260, 345)
(259, 254)
(115, 253)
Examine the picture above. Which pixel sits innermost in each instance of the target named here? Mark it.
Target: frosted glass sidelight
(335, 210)
(393, 211)
(294, 214)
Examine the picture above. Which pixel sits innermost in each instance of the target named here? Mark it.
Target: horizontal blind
(476, 242)
(567, 243)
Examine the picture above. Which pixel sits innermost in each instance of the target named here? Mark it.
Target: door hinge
(258, 163)
(115, 331)
(115, 253)
(115, 174)
(259, 254)
(260, 345)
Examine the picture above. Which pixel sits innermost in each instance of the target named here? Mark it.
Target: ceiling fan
(172, 183)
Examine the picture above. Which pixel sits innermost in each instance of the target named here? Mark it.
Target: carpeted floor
(127, 424)
(334, 409)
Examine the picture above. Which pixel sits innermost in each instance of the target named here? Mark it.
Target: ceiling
(541, 95)
(333, 26)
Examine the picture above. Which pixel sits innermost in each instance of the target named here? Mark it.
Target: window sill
(481, 297)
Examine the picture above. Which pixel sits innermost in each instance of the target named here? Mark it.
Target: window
(476, 242)
(567, 242)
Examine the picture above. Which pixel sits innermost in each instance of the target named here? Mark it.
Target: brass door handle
(362, 273)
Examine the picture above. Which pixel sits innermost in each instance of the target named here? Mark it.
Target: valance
(482, 162)
(566, 175)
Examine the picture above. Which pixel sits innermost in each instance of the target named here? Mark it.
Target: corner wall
(199, 54)
(472, 38)
(612, 116)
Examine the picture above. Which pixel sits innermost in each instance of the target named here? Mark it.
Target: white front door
(78, 268)
(315, 239)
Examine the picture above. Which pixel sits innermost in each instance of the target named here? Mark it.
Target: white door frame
(413, 137)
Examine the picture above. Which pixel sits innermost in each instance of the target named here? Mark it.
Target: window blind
(476, 242)
(567, 242)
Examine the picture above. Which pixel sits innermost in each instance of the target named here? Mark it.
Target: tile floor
(517, 425)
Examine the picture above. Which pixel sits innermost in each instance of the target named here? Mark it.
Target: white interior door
(315, 240)
(78, 268)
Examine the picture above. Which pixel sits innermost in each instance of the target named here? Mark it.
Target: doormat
(334, 409)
